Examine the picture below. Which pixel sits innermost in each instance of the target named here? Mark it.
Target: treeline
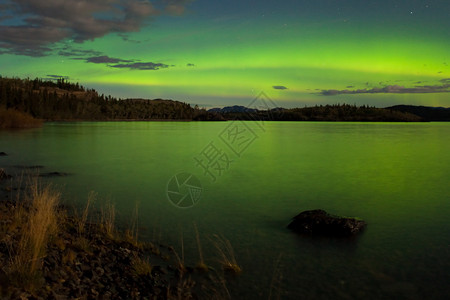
(62, 100)
(338, 112)
(428, 113)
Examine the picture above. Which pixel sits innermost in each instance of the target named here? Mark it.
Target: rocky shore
(91, 260)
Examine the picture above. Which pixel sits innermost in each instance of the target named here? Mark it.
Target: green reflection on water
(393, 175)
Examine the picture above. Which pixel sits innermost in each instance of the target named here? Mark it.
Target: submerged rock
(3, 154)
(53, 174)
(319, 222)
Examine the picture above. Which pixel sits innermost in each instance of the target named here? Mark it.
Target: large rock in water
(319, 222)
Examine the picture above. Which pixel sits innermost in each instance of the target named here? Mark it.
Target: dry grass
(131, 234)
(216, 289)
(141, 266)
(81, 220)
(180, 261)
(226, 253)
(39, 223)
(108, 218)
(10, 118)
(201, 266)
(183, 290)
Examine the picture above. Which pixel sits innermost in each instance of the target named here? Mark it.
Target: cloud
(41, 24)
(141, 66)
(105, 60)
(394, 89)
(67, 51)
(27, 40)
(123, 63)
(280, 87)
(96, 57)
(176, 7)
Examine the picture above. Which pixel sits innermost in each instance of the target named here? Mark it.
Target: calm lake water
(394, 175)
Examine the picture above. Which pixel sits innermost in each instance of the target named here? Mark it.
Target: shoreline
(90, 256)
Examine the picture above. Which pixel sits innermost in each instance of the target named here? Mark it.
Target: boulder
(319, 222)
(53, 174)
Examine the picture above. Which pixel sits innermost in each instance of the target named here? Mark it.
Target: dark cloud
(44, 23)
(141, 66)
(67, 51)
(393, 89)
(280, 87)
(28, 40)
(190, 65)
(96, 57)
(105, 60)
(124, 63)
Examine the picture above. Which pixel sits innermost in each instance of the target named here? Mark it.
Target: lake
(246, 180)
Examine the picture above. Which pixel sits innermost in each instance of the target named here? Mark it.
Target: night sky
(218, 53)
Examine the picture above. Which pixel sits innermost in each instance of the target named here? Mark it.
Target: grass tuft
(108, 217)
(131, 234)
(82, 219)
(41, 222)
(141, 266)
(226, 253)
(180, 261)
(201, 266)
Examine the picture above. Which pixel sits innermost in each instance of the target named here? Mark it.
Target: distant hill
(233, 109)
(339, 112)
(428, 113)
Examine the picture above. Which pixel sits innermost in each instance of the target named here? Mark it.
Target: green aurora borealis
(219, 55)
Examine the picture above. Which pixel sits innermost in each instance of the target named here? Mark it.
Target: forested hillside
(62, 100)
